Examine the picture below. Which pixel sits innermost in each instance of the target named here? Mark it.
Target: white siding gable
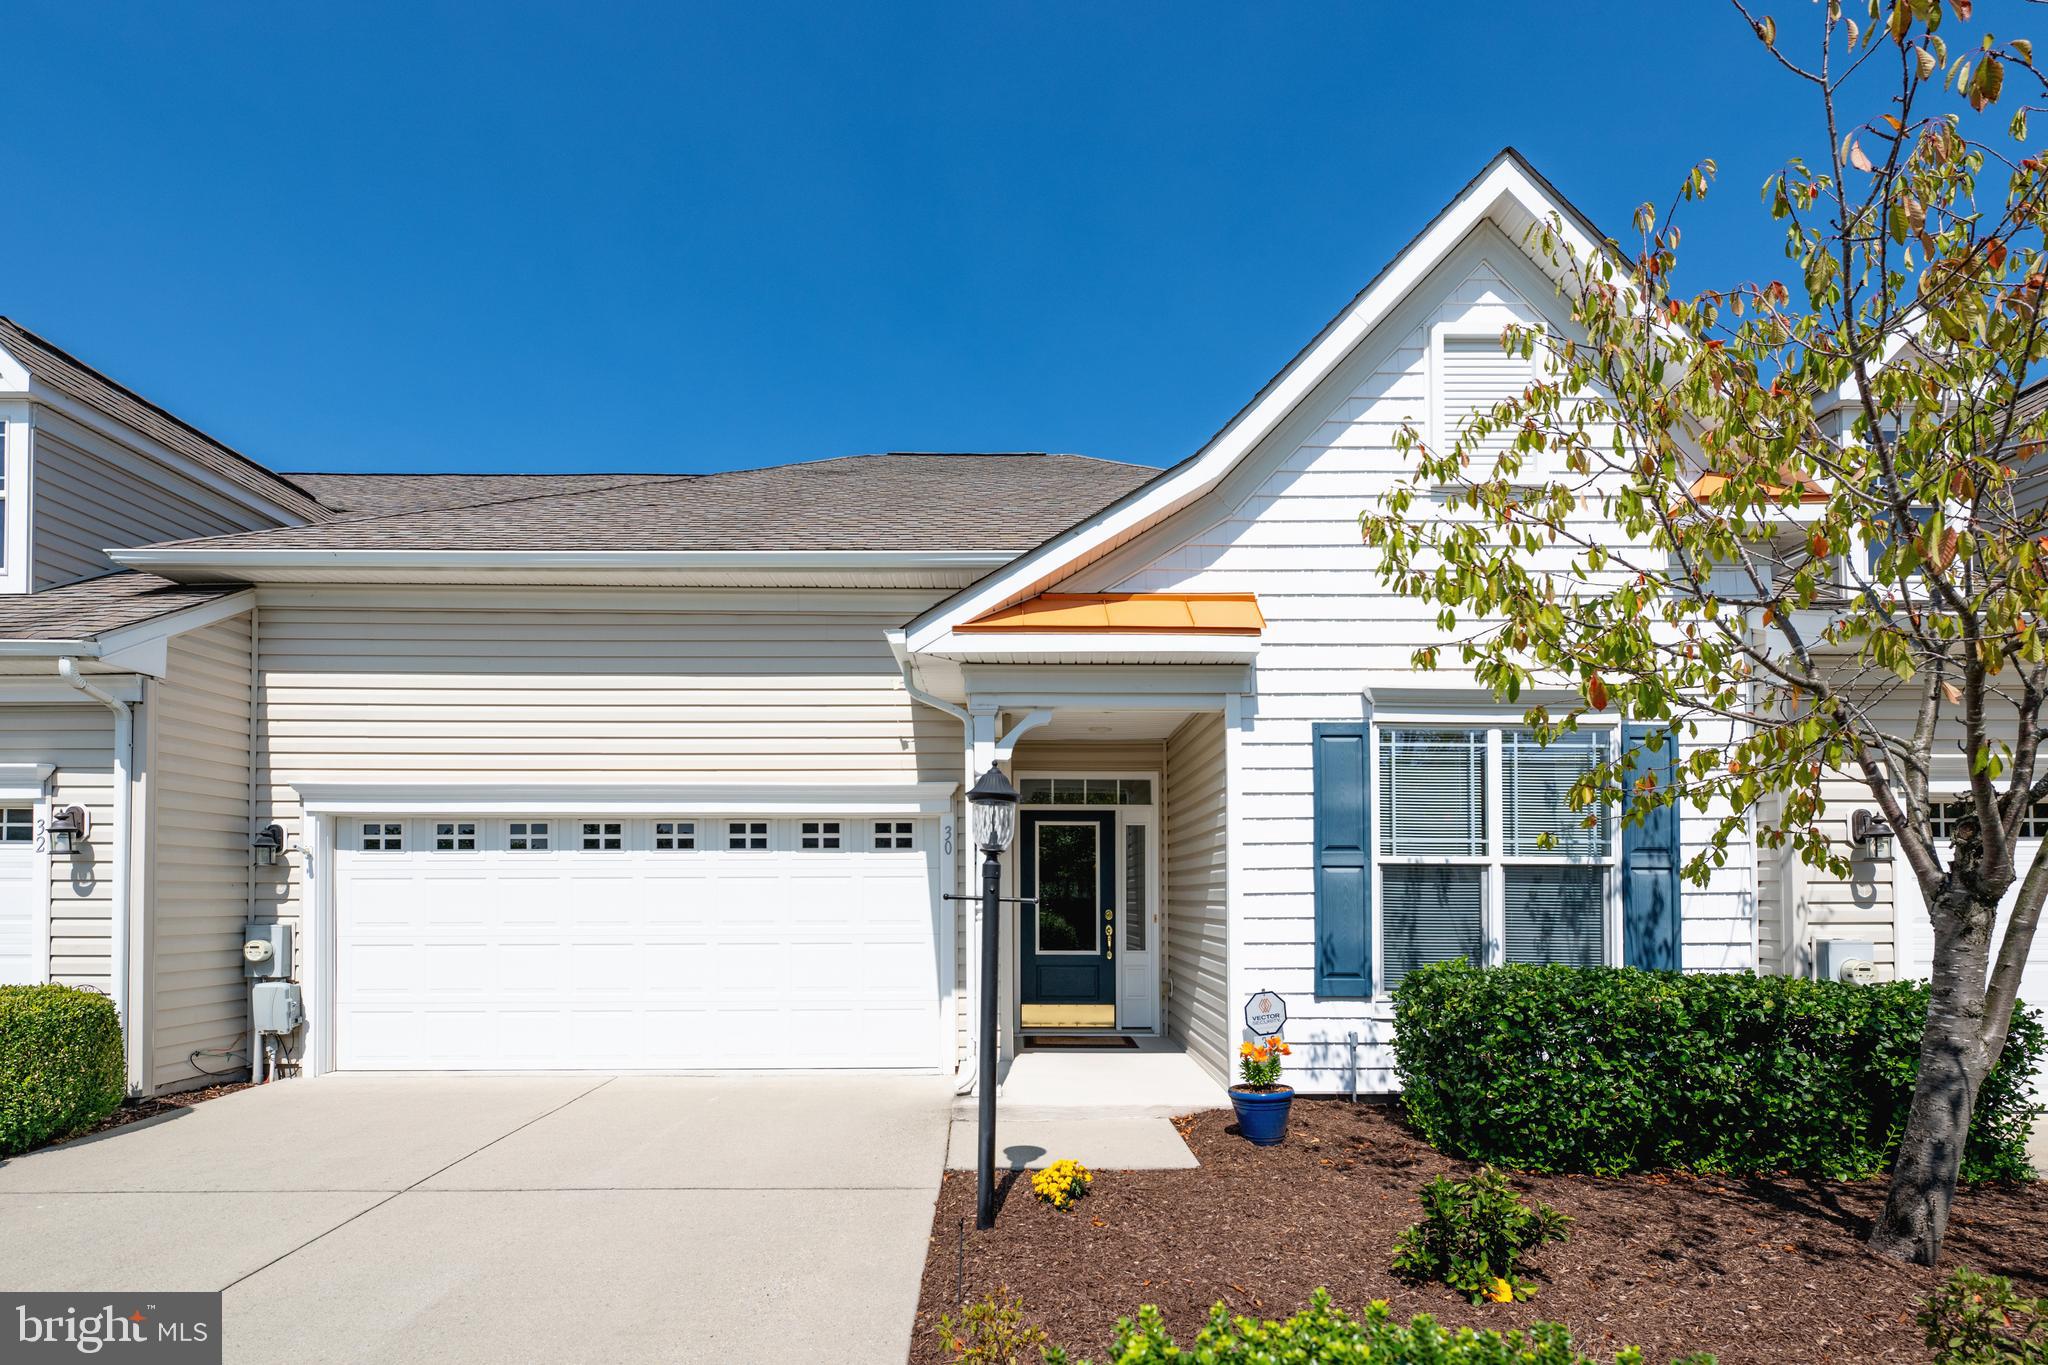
(1284, 525)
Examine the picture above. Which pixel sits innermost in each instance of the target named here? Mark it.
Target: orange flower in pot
(1261, 1102)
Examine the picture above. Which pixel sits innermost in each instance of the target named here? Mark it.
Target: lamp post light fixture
(993, 802)
(68, 827)
(1872, 833)
(268, 845)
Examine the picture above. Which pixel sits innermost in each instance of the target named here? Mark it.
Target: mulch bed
(1761, 1271)
(134, 1111)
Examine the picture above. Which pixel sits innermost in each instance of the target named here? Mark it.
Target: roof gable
(1508, 193)
(28, 361)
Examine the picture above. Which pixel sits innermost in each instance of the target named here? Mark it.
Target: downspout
(124, 803)
(964, 1068)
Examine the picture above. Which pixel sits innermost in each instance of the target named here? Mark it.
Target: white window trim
(16, 440)
(1496, 860)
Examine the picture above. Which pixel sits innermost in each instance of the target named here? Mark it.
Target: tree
(1800, 523)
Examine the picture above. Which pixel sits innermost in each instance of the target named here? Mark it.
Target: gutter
(202, 564)
(966, 1067)
(124, 825)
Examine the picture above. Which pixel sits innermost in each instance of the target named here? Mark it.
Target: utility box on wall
(1845, 959)
(275, 1007)
(266, 950)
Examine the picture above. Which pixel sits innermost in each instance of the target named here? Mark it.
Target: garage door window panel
(528, 836)
(18, 825)
(455, 836)
(675, 836)
(818, 835)
(746, 836)
(380, 836)
(604, 836)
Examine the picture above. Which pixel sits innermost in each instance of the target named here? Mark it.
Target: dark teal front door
(1067, 943)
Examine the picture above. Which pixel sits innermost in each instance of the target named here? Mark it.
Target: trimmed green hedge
(61, 1063)
(1323, 1332)
(1614, 1069)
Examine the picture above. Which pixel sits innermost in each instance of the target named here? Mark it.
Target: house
(646, 771)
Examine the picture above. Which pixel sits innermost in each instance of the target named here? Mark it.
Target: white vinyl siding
(1197, 892)
(199, 840)
(1284, 525)
(93, 494)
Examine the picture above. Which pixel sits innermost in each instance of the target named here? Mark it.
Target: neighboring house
(618, 771)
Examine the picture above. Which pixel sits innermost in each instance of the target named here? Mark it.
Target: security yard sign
(1265, 1014)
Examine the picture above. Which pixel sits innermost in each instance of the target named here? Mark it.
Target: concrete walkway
(457, 1218)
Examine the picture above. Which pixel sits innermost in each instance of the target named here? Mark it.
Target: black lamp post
(994, 803)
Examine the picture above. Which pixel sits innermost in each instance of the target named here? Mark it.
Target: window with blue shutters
(1651, 913)
(1479, 854)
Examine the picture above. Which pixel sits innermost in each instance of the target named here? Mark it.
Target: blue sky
(683, 237)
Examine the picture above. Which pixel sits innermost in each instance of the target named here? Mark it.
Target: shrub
(1062, 1184)
(992, 1332)
(1615, 1070)
(1327, 1335)
(1978, 1320)
(1472, 1235)
(61, 1063)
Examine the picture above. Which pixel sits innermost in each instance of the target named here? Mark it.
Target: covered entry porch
(1115, 933)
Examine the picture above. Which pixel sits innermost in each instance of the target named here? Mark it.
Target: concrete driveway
(455, 1218)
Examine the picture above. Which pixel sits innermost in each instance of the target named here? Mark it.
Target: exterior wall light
(268, 845)
(1872, 835)
(994, 802)
(68, 827)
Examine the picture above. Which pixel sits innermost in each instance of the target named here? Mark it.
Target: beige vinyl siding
(770, 687)
(199, 830)
(1284, 525)
(79, 741)
(1197, 894)
(92, 495)
(1083, 757)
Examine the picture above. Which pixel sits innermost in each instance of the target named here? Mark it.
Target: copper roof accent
(1127, 613)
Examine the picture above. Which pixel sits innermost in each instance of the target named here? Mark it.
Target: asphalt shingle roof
(859, 502)
(78, 611)
(68, 375)
(381, 494)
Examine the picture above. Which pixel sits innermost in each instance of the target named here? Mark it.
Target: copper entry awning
(1127, 613)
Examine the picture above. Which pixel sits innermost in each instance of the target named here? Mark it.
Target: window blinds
(1554, 914)
(1431, 915)
(1433, 793)
(1537, 801)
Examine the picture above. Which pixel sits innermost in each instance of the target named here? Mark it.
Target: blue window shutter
(1343, 867)
(1650, 858)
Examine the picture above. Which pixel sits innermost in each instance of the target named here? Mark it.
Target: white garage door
(23, 893)
(600, 943)
(1916, 932)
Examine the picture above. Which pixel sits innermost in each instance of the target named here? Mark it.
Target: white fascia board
(173, 623)
(497, 798)
(140, 648)
(1503, 183)
(14, 376)
(200, 564)
(25, 781)
(1053, 646)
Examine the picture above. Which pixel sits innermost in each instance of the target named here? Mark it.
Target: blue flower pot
(1262, 1114)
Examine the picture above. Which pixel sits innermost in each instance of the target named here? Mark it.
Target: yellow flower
(1500, 1291)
